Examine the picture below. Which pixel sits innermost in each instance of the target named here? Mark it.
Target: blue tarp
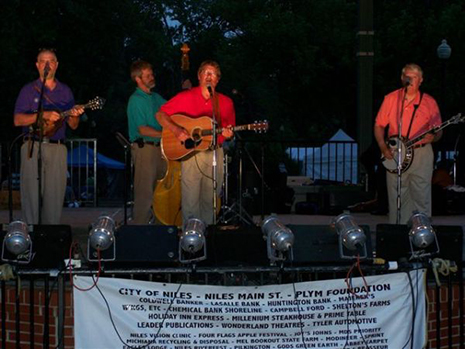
(83, 156)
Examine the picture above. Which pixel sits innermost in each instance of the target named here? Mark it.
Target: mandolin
(49, 128)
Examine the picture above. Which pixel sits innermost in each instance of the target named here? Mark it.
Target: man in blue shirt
(57, 98)
(144, 134)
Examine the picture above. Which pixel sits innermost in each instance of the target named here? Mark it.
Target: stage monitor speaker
(392, 242)
(150, 245)
(243, 246)
(50, 246)
(320, 244)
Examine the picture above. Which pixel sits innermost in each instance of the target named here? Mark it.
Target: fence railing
(332, 161)
(82, 170)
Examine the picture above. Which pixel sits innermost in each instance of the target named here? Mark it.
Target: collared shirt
(192, 103)
(426, 117)
(141, 111)
(59, 99)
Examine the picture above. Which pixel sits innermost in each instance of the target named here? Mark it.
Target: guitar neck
(433, 130)
(220, 129)
(66, 113)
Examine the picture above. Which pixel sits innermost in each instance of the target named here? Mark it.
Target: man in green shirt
(144, 134)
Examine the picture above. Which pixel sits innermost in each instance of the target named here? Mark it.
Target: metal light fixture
(279, 239)
(444, 50)
(421, 236)
(17, 244)
(101, 238)
(192, 244)
(352, 238)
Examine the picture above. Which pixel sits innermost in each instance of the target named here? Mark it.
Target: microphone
(210, 90)
(46, 69)
(406, 81)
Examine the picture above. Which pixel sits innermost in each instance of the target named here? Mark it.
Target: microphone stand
(455, 158)
(127, 171)
(10, 174)
(399, 156)
(214, 164)
(264, 186)
(38, 125)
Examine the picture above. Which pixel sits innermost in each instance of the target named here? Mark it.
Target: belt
(416, 146)
(141, 144)
(46, 140)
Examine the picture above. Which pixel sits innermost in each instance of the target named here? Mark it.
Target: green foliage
(292, 62)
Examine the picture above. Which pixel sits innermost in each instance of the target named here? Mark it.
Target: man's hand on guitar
(387, 153)
(181, 133)
(429, 138)
(76, 111)
(51, 116)
(227, 132)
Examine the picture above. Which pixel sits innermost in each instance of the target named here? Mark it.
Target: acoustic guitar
(201, 135)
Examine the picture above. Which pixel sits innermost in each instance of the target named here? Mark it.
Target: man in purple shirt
(57, 98)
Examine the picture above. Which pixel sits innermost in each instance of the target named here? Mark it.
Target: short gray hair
(411, 66)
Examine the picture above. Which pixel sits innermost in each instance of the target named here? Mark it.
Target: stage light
(279, 239)
(421, 235)
(352, 239)
(17, 243)
(192, 245)
(101, 237)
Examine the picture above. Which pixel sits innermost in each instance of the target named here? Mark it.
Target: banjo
(407, 146)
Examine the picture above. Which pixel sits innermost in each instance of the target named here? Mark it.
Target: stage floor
(80, 218)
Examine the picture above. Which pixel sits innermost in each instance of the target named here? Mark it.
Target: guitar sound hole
(189, 143)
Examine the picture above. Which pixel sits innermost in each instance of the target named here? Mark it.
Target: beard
(150, 85)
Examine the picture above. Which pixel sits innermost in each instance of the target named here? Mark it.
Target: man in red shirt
(196, 170)
(420, 114)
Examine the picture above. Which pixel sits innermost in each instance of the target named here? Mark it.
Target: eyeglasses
(210, 72)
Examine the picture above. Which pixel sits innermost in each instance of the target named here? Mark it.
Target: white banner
(125, 314)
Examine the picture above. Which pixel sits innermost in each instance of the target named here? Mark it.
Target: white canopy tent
(335, 161)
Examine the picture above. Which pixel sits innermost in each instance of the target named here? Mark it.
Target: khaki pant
(148, 167)
(54, 169)
(415, 189)
(197, 185)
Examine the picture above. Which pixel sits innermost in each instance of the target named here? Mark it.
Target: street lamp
(444, 51)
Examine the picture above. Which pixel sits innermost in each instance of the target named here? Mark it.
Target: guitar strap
(415, 107)
(216, 109)
(46, 97)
